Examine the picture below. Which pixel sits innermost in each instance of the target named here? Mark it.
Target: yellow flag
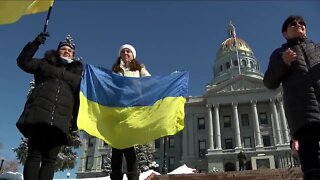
(12, 10)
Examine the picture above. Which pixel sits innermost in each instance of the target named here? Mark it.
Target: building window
(157, 143)
(89, 162)
(202, 148)
(201, 123)
(90, 141)
(251, 64)
(221, 68)
(228, 65)
(228, 143)
(266, 140)
(263, 118)
(227, 121)
(245, 119)
(171, 163)
(171, 142)
(235, 62)
(247, 142)
(244, 63)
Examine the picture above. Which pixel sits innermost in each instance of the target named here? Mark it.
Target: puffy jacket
(300, 82)
(54, 101)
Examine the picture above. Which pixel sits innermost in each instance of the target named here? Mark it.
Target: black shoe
(116, 176)
(133, 176)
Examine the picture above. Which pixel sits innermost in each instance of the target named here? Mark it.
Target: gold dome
(229, 45)
(234, 58)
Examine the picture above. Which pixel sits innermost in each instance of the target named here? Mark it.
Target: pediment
(236, 84)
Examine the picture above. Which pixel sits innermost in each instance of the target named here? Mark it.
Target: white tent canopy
(184, 169)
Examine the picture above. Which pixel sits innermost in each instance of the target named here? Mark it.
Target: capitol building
(236, 113)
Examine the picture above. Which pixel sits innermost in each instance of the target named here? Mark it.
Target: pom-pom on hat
(128, 46)
(67, 42)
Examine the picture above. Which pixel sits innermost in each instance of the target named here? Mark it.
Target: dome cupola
(232, 52)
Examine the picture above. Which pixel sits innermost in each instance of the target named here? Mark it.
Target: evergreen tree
(145, 157)
(106, 164)
(21, 151)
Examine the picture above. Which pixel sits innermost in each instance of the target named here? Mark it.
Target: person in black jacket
(296, 65)
(51, 109)
(242, 161)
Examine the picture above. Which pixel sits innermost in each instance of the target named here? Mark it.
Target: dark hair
(289, 20)
(133, 66)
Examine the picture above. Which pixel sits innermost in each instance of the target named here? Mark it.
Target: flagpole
(232, 31)
(238, 59)
(47, 19)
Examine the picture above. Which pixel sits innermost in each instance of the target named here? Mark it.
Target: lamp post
(2, 160)
(164, 166)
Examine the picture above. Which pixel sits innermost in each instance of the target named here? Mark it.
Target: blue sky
(168, 36)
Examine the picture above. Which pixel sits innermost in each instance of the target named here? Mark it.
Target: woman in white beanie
(126, 65)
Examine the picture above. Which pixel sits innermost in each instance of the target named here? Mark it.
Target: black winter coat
(300, 82)
(55, 99)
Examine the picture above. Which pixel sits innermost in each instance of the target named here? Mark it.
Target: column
(276, 122)
(210, 128)
(190, 137)
(284, 121)
(236, 124)
(185, 138)
(256, 124)
(217, 126)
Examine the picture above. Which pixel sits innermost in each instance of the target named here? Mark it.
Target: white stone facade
(236, 113)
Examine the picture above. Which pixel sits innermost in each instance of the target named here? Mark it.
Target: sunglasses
(294, 23)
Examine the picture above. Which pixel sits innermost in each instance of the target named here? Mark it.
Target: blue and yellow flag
(12, 10)
(126, 111)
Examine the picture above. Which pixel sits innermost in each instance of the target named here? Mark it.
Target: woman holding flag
(126, 65)
(51, 110)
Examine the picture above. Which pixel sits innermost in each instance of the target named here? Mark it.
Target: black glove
(41, 38)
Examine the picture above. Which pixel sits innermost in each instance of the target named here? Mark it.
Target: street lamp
(2, 160)
(68, 175)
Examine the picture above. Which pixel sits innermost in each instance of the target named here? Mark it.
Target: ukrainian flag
(12, 11)
(127, 111)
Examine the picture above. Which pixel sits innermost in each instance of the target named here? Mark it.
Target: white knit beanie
(128, 46)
